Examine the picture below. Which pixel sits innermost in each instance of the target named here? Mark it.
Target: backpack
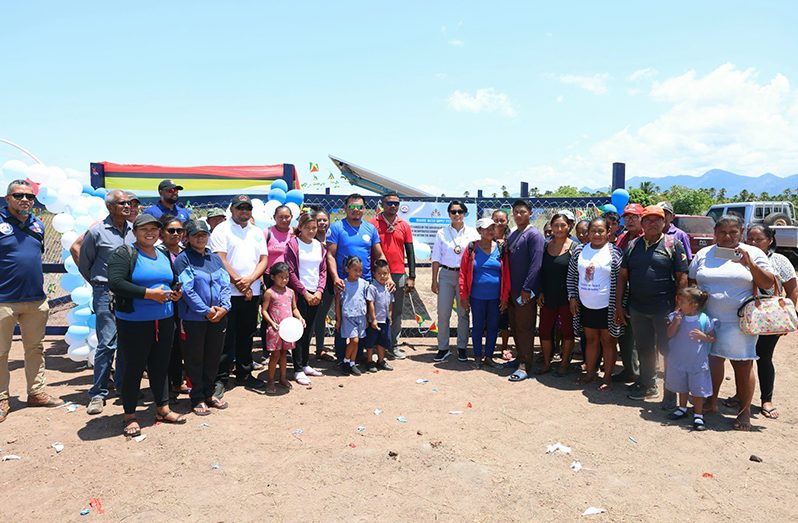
(668, 244)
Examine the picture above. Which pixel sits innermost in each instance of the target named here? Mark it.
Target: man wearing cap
(655, 267)
(22, 298)
(674, 231)
(214, 217)
(396, 239)
(169, 192)
(242, 248)
(97, 244)
(632, 227)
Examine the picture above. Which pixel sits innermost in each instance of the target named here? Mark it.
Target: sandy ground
(488, 462)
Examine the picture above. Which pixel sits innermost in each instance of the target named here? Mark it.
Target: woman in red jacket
(484, 288)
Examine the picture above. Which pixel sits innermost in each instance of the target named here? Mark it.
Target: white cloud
(456, 43)
(483, 100)
(728, 119)
(595, 83)
(647, 73)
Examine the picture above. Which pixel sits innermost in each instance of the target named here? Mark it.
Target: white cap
(484, 223)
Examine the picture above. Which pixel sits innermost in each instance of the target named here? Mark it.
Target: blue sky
(447, 96)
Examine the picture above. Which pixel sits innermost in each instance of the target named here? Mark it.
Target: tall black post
(524, 190)
(618, 176)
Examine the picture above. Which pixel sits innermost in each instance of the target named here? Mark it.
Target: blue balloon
(277, 194)
(620, 197)
(296, 196)
(70, 266)
(609, 208)
(70, 282)
(88, 189)
(100, 191)
(81, 295)
(92, 323)
(280, 184)
(43, 192)
(79, 316)
(65, 254)
(78, 331)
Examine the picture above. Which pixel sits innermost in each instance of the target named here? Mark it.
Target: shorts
(353, 327)
(594, 318)
(698, 383)
(548, 319)
(381, 336)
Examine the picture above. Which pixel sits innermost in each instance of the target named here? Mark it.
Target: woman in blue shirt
(203, 312)
(141, 280)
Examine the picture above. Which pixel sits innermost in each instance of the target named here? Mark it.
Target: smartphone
(726, 253)
(177, 287)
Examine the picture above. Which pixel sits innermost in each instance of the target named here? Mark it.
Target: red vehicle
(700, 229)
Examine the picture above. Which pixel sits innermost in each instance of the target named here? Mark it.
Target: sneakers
(623, 377)
(4, 410)
(462, 355)
(301, 378)
(42, 399)
(371, 368)
(310, 371)
(641, 392)
(442, 355)
(96, 405)
(218, 390)
(399, 354)
(354, 370)
(251, 382)
(384, 365)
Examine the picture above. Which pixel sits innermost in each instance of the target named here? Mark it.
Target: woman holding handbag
(764, 238)
(729, 271)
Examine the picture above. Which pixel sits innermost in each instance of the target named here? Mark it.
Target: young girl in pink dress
(279, 303)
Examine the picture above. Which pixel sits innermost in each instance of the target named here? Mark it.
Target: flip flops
(518, 375)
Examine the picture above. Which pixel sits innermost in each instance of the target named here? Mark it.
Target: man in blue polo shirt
(98, 243)
(170, 193)
(22, 298)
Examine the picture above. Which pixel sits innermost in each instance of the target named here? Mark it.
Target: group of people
(178, 299)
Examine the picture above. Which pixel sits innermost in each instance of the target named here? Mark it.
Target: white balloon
(294, 209)
(92, 340)
(15, 170)
(256, 203)
(422, 250)
(78, 352)
(270, 207)
(57, 206)
(63, 222)
(68, 238)
(82, 223)
(71, 187)
(92, 354)
(39, 173)
(290, 329)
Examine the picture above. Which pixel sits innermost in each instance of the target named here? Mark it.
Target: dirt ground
(473, 447)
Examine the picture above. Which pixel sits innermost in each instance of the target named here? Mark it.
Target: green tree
(690, 201)
(505, 192)
(566, 191)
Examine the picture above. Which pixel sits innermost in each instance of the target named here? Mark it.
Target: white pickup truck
(780, 216)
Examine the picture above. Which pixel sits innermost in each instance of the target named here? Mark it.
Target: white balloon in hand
(290, 329)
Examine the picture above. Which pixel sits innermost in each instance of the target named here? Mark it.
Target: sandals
(518, 375)
(216, 403)
(171, 417)
(131, 428)
(201, 409)
(324, 356)
(770, 413)
(286, 385)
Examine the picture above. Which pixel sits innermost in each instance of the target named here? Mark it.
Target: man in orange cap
(655, 266)
(631, 221)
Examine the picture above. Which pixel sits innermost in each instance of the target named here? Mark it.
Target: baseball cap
(667, 206)
(484, 223)
(239, 200)
(633, 208)
(215, 212)
(169, 184)
(132, 196)
(568, 214)
(144, 219)
(653, 210)
(197, 226)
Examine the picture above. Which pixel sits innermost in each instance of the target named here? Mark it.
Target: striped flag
(433, 328)
(314, 167)
(420, 319)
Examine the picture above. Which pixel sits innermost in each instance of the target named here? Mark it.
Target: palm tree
(505, 192)
(649, 189)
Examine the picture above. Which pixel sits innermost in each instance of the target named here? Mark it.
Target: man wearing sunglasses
(169, 192)
(22, 298)
(93, 252)
(396, 240)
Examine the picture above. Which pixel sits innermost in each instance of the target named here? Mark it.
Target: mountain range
(718, 178)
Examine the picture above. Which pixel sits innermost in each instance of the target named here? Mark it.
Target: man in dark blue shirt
(170, 193)
(22, 298)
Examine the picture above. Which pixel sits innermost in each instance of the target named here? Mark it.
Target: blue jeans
(485, 317)
(106, 344)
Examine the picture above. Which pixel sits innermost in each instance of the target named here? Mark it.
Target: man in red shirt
(397, 242)
(631, 221)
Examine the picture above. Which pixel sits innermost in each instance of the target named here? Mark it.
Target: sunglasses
(457, 211)
(391, 204)
(125, 203)
(355, 207)
(244, 207)
(173, 230)
(20, 195)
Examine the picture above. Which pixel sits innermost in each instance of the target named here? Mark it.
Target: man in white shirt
(242, 248)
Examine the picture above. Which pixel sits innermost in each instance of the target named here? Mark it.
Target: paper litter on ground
(377, 412)
(58, 446)
(11, 457)
(361, 428)
(592, 511)
(140, 438)
(455, 412)
(558, 448)
(422, 380)
(401, 419)
(576, 466)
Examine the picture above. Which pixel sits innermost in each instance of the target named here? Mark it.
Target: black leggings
(301, 351)
(145, 344)
(201, 350)
(764, 365)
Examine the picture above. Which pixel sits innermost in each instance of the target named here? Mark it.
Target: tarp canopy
(196, 181)
(362, 177)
